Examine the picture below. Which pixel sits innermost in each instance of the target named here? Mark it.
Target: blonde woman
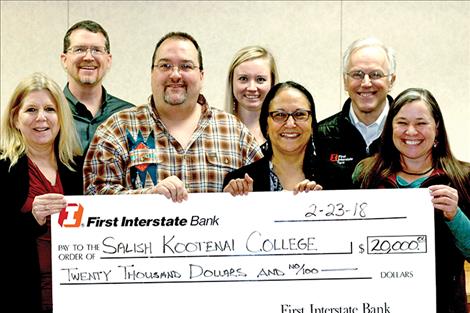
(251, 75)
(39, 163)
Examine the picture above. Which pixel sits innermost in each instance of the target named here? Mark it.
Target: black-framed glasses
(167, 67)
(82, 50)
(374, 75)
(280, 116)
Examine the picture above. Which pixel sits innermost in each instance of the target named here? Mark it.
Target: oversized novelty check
(352, 251)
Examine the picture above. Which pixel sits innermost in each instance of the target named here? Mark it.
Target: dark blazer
(21, 274)
(258, 170)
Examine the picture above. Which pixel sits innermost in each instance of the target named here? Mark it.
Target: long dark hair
(387, 161)
(310, 154)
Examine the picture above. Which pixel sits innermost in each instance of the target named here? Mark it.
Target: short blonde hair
(243, 55)
(12, 143)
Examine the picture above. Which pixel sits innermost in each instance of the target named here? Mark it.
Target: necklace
(417, 174)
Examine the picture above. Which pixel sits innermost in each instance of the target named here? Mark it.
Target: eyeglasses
(167, 67)
(374, 75)
(82, 50)
(283, 116)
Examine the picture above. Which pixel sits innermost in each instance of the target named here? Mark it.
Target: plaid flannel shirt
(133, 151)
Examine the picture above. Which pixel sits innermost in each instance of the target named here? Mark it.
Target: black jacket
(259, 171)
(22, 275)
(340, 146)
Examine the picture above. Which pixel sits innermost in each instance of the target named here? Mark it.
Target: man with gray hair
(353, 134)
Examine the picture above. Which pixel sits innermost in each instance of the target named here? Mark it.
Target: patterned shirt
(274, 181)
(133, 151)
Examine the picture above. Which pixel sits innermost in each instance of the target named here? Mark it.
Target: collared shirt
(85, 123)
(133, 151)
(372, 131)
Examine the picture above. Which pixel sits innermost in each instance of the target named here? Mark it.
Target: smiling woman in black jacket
(39, 162)
(288, 122)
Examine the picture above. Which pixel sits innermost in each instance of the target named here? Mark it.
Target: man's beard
(92, 79)
(88, 80)
(175, 99)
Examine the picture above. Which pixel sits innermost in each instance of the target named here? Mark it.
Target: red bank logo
(71, 215)
(340, 159)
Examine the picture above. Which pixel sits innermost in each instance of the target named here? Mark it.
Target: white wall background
(307, 38)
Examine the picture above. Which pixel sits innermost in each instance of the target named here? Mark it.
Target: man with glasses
(176, 144)
(86, 58)
(354, 133)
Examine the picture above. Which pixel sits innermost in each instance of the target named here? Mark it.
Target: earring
(435, 143)
(313, 146)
